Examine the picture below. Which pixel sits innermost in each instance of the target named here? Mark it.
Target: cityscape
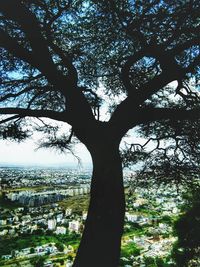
(43, 210)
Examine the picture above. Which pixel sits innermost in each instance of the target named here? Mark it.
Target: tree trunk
(101, 240)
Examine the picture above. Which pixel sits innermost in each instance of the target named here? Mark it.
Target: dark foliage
(186, 251)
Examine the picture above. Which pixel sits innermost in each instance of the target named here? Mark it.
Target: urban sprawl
(42, 215)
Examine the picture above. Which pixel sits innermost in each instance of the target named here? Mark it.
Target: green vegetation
(7, 245)
(130, 249)
(149, 212)
(156, 262)
(186, 251)
(60, 246)
(168, 219)
(38, 261)
(134, 229)
(78, 204)
(127, 250)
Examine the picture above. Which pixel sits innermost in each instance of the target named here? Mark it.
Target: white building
(51, 224)
(59, 217)
(84, 216)
(68, 212)
(139, 202)
(3, 221)
(131, 217)
(74, 226)
(68, 264)
(3, 232)
(60, 230)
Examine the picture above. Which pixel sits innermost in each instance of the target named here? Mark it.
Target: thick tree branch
(157, 83)
(16, 11)
(72, 72)
(126, 69)
(125, 113)
(21, 112)
(39, 57)
(122, 116)
(193, 65)
(165, 58)
(25, 90)
(34, 60)
(158, 114)
(186, 45)
(40, 52)
(17, 50)
(21, 81)
(60, 82)
(171, 72)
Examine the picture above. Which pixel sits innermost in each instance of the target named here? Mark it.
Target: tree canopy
(132, 49)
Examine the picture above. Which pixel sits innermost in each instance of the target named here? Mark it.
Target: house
(51, 224)
(60, 230)
(74, 226)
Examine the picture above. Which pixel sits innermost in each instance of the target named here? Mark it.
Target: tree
(32, 250)
(38, 261)
(56, 55)
(155, 262)
(60, 247)
(186, 251)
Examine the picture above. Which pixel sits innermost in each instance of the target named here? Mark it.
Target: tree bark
(101, 239)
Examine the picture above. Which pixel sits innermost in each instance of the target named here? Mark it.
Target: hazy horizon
(25, 153)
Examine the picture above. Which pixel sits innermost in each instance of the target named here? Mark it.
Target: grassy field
(78, 204)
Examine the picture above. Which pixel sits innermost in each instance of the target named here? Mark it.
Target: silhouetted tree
(56, 54)
(38, 261)
(186, 251)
